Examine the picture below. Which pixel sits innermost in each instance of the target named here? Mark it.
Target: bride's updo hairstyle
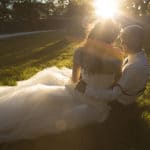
(106, 32)
(98, 50)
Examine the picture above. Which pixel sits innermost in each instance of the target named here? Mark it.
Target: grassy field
(21, 57)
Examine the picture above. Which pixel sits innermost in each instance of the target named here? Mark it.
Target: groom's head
(132, 38)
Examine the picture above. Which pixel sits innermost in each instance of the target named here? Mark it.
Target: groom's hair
(106, 31)
(133, 36)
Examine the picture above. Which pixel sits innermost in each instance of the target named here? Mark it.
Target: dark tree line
(136, 7)
(35, 9)
(30, 9)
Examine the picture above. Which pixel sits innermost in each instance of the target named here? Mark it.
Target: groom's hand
(81, 86)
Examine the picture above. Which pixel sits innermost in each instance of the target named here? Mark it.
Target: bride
(50, 102)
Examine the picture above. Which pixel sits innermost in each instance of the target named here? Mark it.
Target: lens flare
(106, 9)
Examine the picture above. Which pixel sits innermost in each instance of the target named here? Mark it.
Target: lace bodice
(98, 68)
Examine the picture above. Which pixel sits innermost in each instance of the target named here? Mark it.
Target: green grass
(21, 57)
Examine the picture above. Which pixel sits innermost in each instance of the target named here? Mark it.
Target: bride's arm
(75, 73)
(76, 70)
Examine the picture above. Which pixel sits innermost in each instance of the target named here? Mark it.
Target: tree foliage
(25, 10)
(136, 7)
(79, 8)
(5, 12)
(34, 9)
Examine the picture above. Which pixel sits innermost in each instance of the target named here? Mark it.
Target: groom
(135, 66)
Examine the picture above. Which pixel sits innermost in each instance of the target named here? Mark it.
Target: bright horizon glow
(106, 9)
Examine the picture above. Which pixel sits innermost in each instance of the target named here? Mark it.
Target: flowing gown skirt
(44, 105)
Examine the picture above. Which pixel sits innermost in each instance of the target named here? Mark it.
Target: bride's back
(100, 62)
(101, 70)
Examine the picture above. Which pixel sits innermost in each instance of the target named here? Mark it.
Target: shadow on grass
(15, 67)
(42, 55)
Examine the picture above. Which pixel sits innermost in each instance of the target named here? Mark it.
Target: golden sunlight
(106, 9)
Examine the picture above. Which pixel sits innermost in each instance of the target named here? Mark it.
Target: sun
(106, 8)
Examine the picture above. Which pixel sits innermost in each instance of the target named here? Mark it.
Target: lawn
(21, 57)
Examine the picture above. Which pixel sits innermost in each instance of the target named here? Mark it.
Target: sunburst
(106, 8)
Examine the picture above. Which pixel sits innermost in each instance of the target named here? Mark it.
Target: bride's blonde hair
(98, 45)
(102, 36)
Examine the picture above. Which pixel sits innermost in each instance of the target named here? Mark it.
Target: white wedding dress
(47, 103)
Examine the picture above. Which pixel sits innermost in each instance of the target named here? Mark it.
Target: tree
(60, 7)
(136, 7)
(25, 10)
(5, 12)
(50, 7)
(79, 8)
